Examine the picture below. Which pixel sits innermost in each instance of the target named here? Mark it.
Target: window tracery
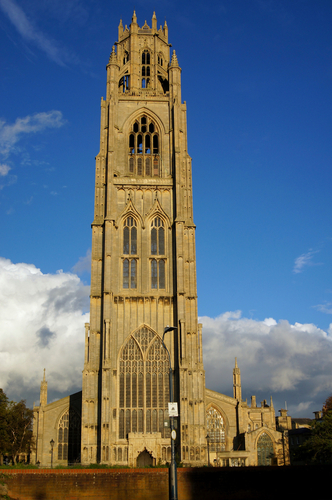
(145, 69)
(130, 260)
(264, 450)
(144, 148)
(158, 261)
(143, 384)
(69, 436)
(216, 430)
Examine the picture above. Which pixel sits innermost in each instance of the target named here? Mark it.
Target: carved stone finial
(113, 55)
(174, 61)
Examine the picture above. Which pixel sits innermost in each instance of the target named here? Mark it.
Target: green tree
(318, 448)
(3, 422)
(19, 429)
(15, 427)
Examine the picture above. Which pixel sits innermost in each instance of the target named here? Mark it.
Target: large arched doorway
(144, 459)
(264, 450)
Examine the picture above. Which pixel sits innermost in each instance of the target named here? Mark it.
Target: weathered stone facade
(143, 278)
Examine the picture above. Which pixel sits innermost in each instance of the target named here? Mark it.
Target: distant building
(143, 278)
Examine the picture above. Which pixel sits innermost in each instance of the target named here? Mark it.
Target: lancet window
(143, 385)
(69, 436)
(144, 148)
(215, 430)
(145, 69)
(158, 260)
(130, 257)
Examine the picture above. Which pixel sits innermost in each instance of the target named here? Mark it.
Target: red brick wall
(152, 484)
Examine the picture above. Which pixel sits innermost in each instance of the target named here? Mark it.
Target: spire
(134, 25)
(174, 61)
(154, 22)
(237, 382)
(43, 390)
(120, 29)
(113, 58)
(165, 30)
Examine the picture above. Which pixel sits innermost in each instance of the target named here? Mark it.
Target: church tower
(143, 275)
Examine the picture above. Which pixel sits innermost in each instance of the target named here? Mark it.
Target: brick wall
(257, 483)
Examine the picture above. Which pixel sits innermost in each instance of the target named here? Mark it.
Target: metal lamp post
(208, 449)
(173, 481)
(52, 446)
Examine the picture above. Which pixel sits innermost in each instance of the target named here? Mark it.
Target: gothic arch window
(264, 450)
(69, 436)
(130, 257)
(143, 385)
(145, 69)
(215, 430)
(157, 251)
(144, 148)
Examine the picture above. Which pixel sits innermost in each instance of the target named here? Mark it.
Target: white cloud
(31, 34)
(4, 169)
(292, 362)
(325, 308)
(11, 133)
(41, 326)
(304, 260)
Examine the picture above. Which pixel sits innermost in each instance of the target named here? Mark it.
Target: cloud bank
(292, 363)
(41, 326)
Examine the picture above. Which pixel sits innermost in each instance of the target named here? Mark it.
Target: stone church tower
(143, 264)
(143, 279)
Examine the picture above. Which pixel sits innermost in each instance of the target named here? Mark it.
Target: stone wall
(152, 484)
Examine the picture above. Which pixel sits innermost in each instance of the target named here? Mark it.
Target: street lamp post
(52, 446)
(173, 481)
(208, 449)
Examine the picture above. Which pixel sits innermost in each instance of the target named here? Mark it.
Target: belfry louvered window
(158, 263)
(143, 385)
(144, 147)
(130, 260)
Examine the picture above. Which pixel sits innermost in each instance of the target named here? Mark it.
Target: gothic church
(143, 278)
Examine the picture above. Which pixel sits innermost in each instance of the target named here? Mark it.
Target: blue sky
(256, 76)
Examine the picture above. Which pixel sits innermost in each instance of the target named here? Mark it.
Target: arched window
(215, 430)
(264, 450)
(145, 70)
(129, 272)
(158, 264)
(143, 384)
(69, 436)
(144, 147)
